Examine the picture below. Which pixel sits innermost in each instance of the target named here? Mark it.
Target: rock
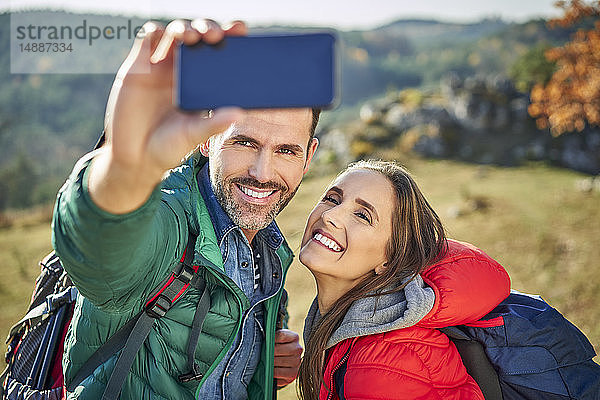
(339, 143)
(369, 114)
(584, 185)
(478, 119)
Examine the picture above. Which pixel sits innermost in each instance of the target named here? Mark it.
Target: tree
(532, 68)
(571, 98)
(17, 183)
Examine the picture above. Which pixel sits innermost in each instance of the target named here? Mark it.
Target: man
(120, 226)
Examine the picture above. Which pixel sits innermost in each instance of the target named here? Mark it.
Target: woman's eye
(330, 199)
(363, 215)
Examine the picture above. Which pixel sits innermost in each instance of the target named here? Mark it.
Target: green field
(531, 219)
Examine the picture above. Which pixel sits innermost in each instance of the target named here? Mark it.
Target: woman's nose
(330, 217)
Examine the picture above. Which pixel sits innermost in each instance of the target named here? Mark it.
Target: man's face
(257, 165)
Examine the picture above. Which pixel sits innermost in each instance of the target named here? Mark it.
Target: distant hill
(48, 120)
(424, 32)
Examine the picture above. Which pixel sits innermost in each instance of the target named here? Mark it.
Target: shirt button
(244, 264)
(275, 275)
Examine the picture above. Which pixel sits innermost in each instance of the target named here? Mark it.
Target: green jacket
(116, 261)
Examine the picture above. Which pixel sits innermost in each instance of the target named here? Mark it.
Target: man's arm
(108, 227)
(146, 134)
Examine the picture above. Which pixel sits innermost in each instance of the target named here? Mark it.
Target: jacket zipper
(230, 342)
(232, 338)
(270, 326)
(338, 365)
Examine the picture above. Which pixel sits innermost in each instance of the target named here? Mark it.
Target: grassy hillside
(531, 219)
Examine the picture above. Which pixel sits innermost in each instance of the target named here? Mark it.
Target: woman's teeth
(256, 195)
(327, 242)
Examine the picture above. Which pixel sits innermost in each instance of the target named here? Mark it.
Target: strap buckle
(191, 376)
(159, 306)
(184, 272)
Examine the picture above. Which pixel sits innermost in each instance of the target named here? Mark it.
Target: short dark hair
(316, 112)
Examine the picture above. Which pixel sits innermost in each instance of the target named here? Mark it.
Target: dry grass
(531, 219)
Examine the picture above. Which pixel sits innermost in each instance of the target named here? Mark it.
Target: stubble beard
(246, 215)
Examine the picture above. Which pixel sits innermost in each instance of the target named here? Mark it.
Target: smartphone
(266, 71)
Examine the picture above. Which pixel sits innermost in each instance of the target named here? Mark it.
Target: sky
(339, 14)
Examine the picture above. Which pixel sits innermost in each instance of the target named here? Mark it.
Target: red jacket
(419, 362)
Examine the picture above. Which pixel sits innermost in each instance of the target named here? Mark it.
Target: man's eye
(330, 199)
(287, 151)
(244, 143)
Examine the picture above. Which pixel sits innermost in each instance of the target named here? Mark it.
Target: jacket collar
(378, 314)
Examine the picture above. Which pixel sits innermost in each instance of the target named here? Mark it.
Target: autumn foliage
(571, 99)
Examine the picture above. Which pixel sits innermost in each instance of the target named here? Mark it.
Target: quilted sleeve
(113, 259)
(467, 283)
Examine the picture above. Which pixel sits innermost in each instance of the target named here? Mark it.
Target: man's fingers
(287, 361)
(287, 356)
(288, 349)
(210, 31)
(281, 383)
(151, 32)
(175, 31)
(286, 336)
(284, 376)
(191, 32)
(236, 28)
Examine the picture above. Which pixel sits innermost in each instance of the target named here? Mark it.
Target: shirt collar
(222, 223)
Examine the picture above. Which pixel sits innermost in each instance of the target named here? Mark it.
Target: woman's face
(347, 231)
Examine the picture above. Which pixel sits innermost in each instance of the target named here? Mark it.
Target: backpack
(526, 350)
(34, 352)
(522, 350)
(35, 343)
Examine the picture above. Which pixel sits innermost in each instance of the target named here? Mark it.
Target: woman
(387, 277)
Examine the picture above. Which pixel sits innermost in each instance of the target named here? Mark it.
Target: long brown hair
(418, 240)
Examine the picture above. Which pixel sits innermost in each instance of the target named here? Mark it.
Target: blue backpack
(525, 349)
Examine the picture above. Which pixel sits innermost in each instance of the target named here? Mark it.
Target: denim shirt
(231, 377)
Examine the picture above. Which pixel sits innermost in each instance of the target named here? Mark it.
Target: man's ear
(310, 152)
(204, 148)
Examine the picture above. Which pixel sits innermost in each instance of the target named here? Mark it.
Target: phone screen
(276, 71)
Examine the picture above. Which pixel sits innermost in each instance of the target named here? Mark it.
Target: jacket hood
(378, 314)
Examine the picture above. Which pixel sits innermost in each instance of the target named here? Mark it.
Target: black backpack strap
(199, 315)
(140, 332)
(103, 353)
(130, 337)
(476, 362)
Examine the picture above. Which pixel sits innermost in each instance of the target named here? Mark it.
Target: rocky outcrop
(478, 119)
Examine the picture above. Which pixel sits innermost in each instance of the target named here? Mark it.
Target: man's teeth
(327, 242)
(256, 195)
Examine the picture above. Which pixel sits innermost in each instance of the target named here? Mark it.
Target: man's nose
(262, 168)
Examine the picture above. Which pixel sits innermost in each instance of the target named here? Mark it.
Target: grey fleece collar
(380, 314)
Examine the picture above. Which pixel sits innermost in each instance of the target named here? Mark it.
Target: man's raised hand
(146, 134)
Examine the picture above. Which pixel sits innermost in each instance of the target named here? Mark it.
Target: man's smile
(255, 195)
